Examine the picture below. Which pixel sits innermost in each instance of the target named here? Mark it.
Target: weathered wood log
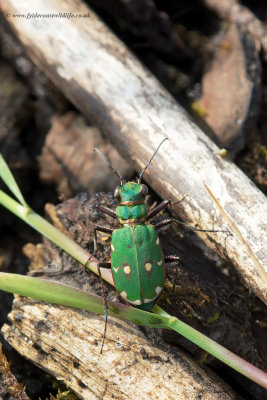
(67, 342)
(198, 299)
(103, 79)
(199, 161)
(129, 368)
(127, 101)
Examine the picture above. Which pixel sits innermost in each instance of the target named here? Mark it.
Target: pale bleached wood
(106, 82)
(67, 343)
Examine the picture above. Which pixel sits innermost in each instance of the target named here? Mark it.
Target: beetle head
(131, 192)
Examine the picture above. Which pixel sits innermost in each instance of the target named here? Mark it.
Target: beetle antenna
(108, 164)
(140, 176)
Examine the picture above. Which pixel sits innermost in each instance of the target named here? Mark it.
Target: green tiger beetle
(137, 260)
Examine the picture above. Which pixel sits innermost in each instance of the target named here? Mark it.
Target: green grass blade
(9, 180)
(57, 293)
(45, 228)
(65, 295)
(54, 292)
(220, 352)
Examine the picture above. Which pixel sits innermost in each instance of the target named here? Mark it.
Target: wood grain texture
(107, 84)
(66, 343)
(61, 340)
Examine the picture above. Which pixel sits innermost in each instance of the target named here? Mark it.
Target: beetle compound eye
(116, 192)
(144, 190)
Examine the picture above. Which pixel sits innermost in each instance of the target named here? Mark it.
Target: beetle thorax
(132, 208)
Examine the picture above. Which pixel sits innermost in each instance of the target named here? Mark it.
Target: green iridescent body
(137, 260)
(137, 264)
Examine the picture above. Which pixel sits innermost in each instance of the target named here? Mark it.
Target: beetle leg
(100, 229)
(158, 208)
(169, 221)
(180, 201)
(107, 211)
(104, 265)
(176, 260)
(161, 207)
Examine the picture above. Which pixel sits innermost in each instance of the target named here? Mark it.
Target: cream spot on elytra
(135, 302)
(158, 289)
(112, 247)
(159, 263)
(116, 269)
(148, 266)
(148, 300)
(157, 241)
(127, 269)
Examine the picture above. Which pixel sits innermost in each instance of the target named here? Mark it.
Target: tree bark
(107, 84)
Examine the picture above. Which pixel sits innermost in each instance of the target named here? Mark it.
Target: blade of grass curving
(9, 180)
(218, 351)
(57, 293)
(60, 239)
(68, 296)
